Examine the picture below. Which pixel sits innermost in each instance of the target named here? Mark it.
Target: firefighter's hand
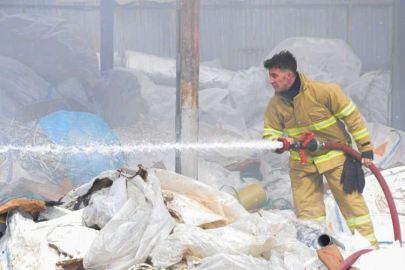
(290, 140)
(367, 158)
(366, 162)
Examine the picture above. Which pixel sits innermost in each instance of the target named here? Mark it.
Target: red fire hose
(391, 204)
(304, 143)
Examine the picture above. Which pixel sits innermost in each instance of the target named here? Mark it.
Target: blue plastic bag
(81, 129)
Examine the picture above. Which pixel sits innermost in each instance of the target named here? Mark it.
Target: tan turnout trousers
(308, 193)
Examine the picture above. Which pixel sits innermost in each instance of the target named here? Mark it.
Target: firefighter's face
(281, 80)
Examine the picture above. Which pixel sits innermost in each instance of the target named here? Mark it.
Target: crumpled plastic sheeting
(216, 176)
(105, 203)
(371, 95)
(71, 198)
(257, 236)
(234, 262)
(281, 236)
(133, 231)
(27, 243)
(327, 60)
(389, 145)
(62, 237)
(299, 256)
(268, 224)
(221, 203)
(205, 243)
(352, 242)
(190, 211)
(377, 203)
(163, 70)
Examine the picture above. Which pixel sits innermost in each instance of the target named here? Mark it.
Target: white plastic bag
(105, 203)
(221, 203)
(234, 262)
(133, 232)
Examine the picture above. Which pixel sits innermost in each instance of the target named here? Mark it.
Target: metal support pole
(178, 87)
(349, 24)
(398, 67)
(190, 21)
(107, 34)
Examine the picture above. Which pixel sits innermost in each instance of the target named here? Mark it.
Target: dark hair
(282, 60)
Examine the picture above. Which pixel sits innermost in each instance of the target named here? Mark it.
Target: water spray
(141, 147)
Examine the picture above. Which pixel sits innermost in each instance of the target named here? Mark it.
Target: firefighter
(301, 105)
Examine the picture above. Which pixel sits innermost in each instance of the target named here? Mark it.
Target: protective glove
(368, 154)
(353, 176)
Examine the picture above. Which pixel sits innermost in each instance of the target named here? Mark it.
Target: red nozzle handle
(305, 139)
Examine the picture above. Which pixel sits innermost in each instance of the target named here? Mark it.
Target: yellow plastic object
(252, 196)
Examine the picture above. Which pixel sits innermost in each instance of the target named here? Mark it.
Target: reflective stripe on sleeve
(360, 134)
(346, 111)
(270, 131)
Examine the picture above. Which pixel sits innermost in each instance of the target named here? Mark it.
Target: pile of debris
(123, 219)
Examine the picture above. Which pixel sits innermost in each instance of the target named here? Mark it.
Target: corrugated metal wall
(241, 33)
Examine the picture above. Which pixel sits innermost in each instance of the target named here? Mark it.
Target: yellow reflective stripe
(346, 111)
(371, 237)
(328, 156)
(360, 134)
(270, 131)
(357, 221)
(317, 126)
(317, 159)
(319, 219)
(294, 155)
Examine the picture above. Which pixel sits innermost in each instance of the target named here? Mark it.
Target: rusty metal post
(178, 86)
(189, 70)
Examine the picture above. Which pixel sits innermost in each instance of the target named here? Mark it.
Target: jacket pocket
(319, 114)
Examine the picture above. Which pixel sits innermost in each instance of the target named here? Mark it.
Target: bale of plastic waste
(163, 70)
(19, 86)
(371, 95)
(328, 60)
(54, 48)
(118, 98)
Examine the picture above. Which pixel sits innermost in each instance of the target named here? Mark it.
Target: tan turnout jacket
(324, 109)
